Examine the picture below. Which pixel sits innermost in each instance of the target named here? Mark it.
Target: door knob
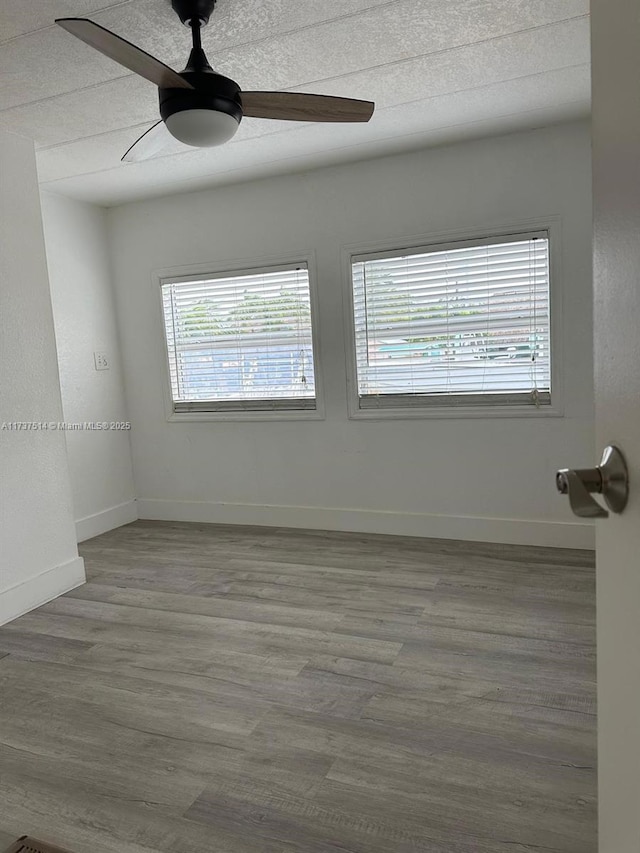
(610, 479)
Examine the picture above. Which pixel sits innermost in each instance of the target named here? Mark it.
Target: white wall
(490, 479)
(38, 555)
(85, 322)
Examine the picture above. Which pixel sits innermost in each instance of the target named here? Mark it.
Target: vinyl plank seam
(519, 636)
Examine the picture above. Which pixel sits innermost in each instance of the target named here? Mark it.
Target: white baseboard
(510, 531)
(38, 590)
(107, 519)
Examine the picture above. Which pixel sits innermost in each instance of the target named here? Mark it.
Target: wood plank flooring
(251, 690)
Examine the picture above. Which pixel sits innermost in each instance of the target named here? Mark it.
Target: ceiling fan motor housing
(212, 92)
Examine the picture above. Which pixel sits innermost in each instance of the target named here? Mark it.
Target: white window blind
(464, 324)
(240, 341)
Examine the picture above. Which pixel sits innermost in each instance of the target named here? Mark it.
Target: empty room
(319, 426)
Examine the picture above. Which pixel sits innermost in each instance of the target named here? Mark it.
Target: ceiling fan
(199, 107)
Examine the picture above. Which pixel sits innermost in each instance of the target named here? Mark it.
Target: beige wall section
(616, 184)
(38, 554)
(85, 323)
(477, 478)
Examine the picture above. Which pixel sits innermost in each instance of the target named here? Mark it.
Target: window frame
(428, 406)
(220, 269)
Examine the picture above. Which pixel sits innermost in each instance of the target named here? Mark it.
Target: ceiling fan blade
(154, 142)
(124, 52)
(296, 106)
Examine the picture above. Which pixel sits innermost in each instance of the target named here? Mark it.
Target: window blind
(464, 324)
(240, 341)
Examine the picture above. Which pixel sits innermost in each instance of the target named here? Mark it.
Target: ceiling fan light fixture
(205, 116)
(202, 128)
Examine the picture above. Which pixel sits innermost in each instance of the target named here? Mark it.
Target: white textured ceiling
(438, 70)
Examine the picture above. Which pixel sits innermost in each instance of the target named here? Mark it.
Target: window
(241, 341)
(463, 324)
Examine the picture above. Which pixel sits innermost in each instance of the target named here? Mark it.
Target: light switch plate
(101, 361)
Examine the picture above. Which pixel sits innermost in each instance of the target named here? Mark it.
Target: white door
(616, 170)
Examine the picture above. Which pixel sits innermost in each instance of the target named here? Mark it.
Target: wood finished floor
(251, 690)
